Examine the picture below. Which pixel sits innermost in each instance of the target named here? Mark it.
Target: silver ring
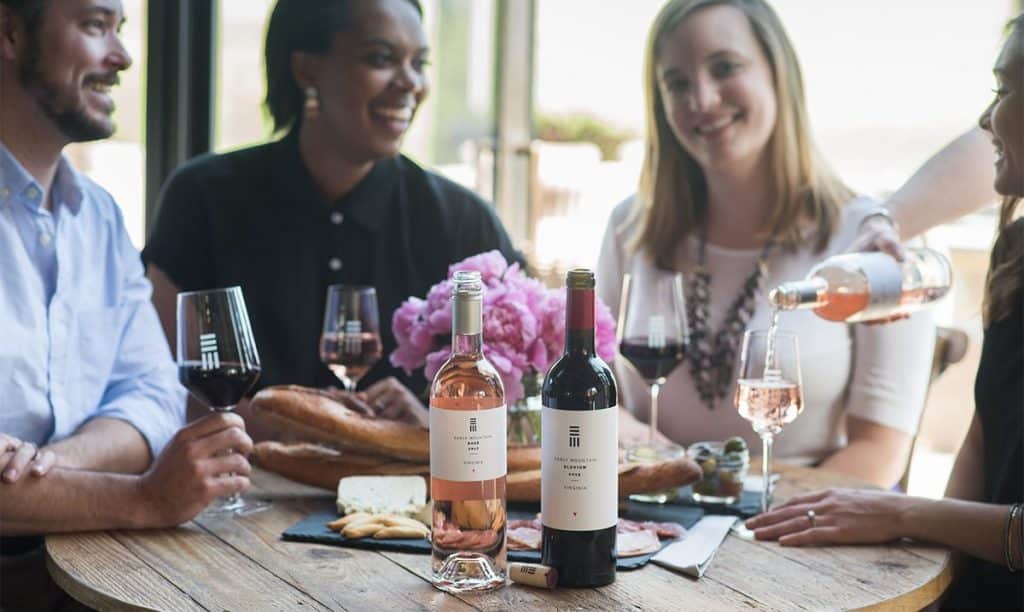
(811, 517)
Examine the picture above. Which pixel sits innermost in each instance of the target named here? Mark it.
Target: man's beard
(64, 108)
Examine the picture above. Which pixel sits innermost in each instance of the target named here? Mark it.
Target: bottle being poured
(859, 287)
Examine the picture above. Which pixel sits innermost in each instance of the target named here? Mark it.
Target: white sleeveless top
(875, 372)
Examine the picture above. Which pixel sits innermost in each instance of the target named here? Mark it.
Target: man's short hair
(30, 12)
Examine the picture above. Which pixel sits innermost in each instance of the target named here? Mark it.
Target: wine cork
(533, 574)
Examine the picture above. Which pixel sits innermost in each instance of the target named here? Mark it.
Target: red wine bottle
(579, 450)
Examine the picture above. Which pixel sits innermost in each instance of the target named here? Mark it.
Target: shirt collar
(368, 201)
(16, 182)
(68, 188)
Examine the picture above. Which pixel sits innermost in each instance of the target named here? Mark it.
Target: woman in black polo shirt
(333, 201)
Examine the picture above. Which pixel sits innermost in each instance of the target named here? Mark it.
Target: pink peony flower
(491, 265)
(523, 324)
(404, 324)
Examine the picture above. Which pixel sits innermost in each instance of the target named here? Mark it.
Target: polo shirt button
(334, 264)
(32, 193)
(45, 238)
(337, 218)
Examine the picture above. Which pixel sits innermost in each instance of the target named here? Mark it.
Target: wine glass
(350, 344)
(217, 360)
(653, 333)
(769, 392)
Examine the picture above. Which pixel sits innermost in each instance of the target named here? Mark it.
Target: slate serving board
(314, 529)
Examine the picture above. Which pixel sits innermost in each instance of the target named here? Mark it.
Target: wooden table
(240, 563)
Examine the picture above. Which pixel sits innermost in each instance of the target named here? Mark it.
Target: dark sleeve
(483, 231)
(180, 240)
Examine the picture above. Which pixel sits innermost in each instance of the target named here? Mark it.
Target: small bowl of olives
(725, 465)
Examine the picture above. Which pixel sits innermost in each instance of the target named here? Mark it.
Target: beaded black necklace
(713, 357)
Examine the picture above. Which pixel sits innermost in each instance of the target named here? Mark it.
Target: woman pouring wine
(734, 196)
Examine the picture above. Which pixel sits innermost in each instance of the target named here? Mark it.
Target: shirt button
(4, 192)
(337, 218)
(45, 238)
(32, 193)
(334, 264)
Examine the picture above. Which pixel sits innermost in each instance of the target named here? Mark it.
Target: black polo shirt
(254, 218)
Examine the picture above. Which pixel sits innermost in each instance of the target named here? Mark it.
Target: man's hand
(391, 399)
(203, 461)
(18, 457)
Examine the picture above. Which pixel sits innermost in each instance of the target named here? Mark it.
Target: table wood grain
(241, 563)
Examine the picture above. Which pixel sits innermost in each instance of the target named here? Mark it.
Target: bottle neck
(579, 321)
(467, 326)
(809, 293)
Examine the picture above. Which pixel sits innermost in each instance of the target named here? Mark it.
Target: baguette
(521, 458)
(313, 415)
(323, 418)
(633, 478)
(324, 467)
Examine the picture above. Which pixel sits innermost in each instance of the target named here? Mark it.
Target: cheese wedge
(401, 495)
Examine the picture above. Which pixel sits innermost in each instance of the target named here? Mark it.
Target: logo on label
(352, 344)
(208, 353)
(472, 424)
(574, 436)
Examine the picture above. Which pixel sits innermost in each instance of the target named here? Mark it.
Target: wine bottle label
(468, 445)
(885, 283)
(579, 468)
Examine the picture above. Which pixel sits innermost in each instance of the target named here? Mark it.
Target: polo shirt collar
(368, 201)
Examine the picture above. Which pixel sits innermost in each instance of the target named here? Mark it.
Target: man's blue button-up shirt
(79, 337)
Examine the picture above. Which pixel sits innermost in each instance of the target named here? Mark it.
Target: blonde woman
(982, 515)
(734, 195)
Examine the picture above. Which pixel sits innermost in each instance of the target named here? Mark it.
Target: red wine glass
(653, 331)
(217, 360)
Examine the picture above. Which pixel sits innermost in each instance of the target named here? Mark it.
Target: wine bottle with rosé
(769, 392)
(859, 287)
(468, 454)
(579, 451)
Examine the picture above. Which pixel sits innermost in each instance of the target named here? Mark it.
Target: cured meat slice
(636, 543)
(524, 538)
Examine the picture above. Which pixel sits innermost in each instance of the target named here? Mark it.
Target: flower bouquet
(523, 327)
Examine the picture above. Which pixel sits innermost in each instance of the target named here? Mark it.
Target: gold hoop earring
(312, 104)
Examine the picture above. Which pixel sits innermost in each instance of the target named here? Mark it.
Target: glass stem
(232, 499)
(653, 434)
(766, 472)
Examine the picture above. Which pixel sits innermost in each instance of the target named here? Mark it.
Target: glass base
(465, 572)
(740, 531)
(235, 504)
(655, 497)
(713, 499)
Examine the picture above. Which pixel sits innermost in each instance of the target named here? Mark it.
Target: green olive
(735, 444)
(708, 465)
(734, 457)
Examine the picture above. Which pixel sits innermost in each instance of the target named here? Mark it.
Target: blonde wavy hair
(672, 193)
(1005, 280)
